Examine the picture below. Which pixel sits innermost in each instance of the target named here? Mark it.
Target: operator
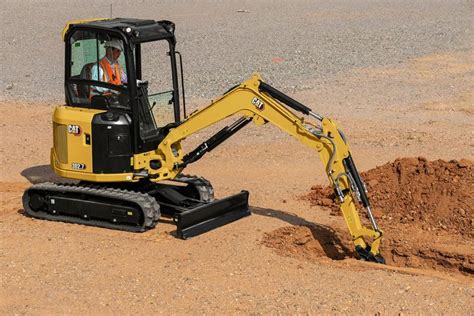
(114, 73)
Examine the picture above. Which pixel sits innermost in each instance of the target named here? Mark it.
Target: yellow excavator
(121, 138)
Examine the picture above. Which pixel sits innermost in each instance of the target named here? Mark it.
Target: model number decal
(74, 129)
(78, 166)
(258, 103)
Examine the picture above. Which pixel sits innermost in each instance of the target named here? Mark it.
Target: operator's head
(114, 48)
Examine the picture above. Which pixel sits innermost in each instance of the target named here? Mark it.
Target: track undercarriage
(136, 207)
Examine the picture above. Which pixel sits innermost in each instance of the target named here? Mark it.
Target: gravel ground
(395, 75)
(290, 43)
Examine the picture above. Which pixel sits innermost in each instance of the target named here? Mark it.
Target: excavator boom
(257, 101)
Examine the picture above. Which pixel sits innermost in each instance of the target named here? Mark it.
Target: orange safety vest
(109, 75)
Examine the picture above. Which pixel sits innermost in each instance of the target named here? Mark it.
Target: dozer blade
(206, 217)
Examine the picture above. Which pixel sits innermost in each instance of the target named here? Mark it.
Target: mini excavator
(122, 142)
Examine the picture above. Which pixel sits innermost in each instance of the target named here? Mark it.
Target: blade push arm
(254, 100)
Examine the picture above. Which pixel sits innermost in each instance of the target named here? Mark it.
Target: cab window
(156, 87)
(95, 57)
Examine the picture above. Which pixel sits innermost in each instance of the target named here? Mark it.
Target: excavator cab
(149, 96)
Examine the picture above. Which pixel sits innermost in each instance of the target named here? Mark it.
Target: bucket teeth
(366, 255)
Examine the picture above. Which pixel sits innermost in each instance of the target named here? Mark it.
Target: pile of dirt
(424, 207)
(433, 195)
(309, 242)
(400, 248)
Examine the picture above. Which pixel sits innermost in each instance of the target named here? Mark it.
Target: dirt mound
(309, 242)
(424, 208)
(407, 248)
(433, 195)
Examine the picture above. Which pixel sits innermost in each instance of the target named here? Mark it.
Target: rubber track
(202, 185)
(148, 205)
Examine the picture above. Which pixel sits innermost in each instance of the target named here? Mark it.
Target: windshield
(158, 108)
(97, 68)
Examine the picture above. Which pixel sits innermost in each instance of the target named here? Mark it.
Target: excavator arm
(256, 101)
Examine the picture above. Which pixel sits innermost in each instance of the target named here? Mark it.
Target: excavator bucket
(205, 217)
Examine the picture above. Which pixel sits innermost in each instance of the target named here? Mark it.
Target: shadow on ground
(331, 243)
(42, 173)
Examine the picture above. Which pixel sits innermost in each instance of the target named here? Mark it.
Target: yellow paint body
(71, 149)
(238, 101)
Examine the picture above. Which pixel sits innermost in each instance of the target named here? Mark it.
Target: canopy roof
(137, 30)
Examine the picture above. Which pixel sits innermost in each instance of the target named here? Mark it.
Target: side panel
(72, 134)
(72, 155)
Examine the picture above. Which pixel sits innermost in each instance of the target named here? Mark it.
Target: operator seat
(84, 90)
